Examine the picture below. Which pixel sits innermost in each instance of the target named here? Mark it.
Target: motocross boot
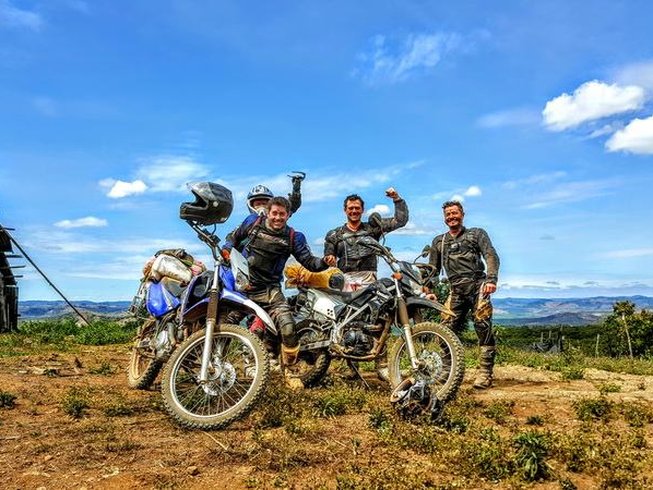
(486, 365)
(289, 356)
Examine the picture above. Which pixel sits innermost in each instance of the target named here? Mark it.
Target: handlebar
(208, 237)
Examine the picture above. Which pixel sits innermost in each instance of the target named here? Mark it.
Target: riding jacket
(268, 250)
(461, 256)
(344, 243)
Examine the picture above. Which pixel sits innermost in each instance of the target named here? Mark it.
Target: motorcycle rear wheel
(238, 376)
(314, 364)
(143, 365)
(441, 352)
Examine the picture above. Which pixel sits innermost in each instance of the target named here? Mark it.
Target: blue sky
(539, 115)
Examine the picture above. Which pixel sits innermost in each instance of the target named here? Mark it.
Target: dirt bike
(219, 372)
(426, 364)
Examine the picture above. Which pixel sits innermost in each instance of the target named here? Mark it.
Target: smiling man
(461, 252)
(342, 246)
(267, 242)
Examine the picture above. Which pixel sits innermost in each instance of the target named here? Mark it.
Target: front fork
(404, 320)
(211, 317)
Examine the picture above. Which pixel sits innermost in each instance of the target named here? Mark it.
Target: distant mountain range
(560, 311)
(507, 311)
(29, 310)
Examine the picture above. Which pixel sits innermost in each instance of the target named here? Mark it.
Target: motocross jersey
(461, 256)
(344, 243)
(268, 250)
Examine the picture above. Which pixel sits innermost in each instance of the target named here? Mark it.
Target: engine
(358, 338)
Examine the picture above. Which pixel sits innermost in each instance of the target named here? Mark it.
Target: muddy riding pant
(275, 304)
(464, 298)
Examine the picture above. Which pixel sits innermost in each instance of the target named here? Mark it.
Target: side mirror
(426, 251)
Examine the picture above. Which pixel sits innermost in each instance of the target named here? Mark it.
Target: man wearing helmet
(267, 242)
(258, 197)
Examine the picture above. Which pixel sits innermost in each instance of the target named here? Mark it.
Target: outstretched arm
(400, 217)
(304, 256)
(295, 197)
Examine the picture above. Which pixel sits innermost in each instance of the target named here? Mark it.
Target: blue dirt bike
(218, 373)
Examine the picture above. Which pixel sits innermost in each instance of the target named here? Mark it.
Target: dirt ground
(125, 439)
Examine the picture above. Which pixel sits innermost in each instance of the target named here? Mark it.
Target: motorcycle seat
(349, 296)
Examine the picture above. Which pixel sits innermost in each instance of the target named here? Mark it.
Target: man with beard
(459, 253)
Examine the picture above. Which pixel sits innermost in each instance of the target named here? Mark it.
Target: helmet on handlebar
(213, 204)
(258, 192)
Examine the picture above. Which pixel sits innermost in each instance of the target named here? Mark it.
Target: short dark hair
(448, 204)
(353, 197)
(278, 201)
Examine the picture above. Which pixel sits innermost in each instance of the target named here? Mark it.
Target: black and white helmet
(213, 204)
(258, 192)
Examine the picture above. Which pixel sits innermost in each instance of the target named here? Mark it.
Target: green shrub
(338, 401)
(530, 460)
(605, 388)
(588, 409)
(572, 373)
(534, 420)
(499, 410)
(104, 369)
(75, 402)
(7, 400)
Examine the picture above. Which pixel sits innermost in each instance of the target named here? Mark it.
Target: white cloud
(628, 253)
(603, 130)
(572, 192)
(326, 186)
(89, 221)
(640, 74)
(395, 61)
(537, 180)
(459, 194)
(509, 117)
(65, 242)
(411, 229)
(382, 209)
(167, 173)
(636, 137)
(592, 100)
(14, 17)
(119, 188)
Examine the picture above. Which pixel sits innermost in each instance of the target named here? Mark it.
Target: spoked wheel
(237, 377)
(312, 364)
(440, 355)
(143, 365)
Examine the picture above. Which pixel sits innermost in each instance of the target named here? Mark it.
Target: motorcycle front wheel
(237, 378)
(143, 365)
(440, 354)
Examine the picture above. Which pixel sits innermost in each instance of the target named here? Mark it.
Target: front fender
(427, 303)
(249, 304)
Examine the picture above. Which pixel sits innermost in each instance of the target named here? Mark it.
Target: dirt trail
(125, 440)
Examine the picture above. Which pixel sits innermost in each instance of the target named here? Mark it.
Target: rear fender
(415, 302)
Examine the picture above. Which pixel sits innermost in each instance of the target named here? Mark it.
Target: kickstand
(354, 367)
